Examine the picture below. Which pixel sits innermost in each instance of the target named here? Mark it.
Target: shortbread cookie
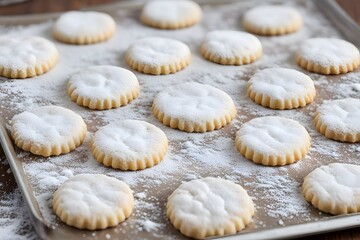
(129, 145)
(281, 88)
(194, 107)
(328, 56)
(77, 27)
(272, 20)
(334, 188)
(171, 14)
(25, 57)
(231, 47)
(209, 207)
(103, 87)
(156, 55)
(49, 130)
(93, 201)
(273, 141)
(339, 120)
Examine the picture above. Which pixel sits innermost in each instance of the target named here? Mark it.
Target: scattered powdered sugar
(15, 222)
(275, 191)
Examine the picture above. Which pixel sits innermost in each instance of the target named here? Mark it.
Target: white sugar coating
(272, 16)
(171, 12)
(276, 136)
(231, 44)
(194, 102)
(47, 126)
(25, 52)
(275, 191)
(75, 24)
(209, 204)
(337, 183)
(93, 196)
(342, 115)
(282, 83)
(130, 140)
(158, 51)
(328, 51)
(104, 82)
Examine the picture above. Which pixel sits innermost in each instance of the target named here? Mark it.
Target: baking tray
(264, 226)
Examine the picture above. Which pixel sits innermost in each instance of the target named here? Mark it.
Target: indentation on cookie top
(341, 115)
(273, 136)
(103, 82)
(216, 207)
(26, 52)
(334, 188)
(129, 140)
(194, 102)
(47, 126)
(281, 83)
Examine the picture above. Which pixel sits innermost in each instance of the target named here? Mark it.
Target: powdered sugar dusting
(275, 191)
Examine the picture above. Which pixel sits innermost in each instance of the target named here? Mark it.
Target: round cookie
(103, 87)
(327, 56)
(273, 141)
(231, 47)
(93, 201)
(170, 14)
(272, 20)
(77, 27)
(281, 88)
(49, 130)
(129, 145)
(334, 188)
(157, 55)
(209, 207)
(339, 120)
(193, 107)
(25, 57)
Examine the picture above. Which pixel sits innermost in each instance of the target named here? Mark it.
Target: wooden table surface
(45, 6)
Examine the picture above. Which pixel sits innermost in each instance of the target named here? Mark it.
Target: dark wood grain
(352, 7)
(48, 6)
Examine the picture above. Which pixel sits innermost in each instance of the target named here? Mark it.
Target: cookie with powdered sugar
(209, 207)
(231, 47)
(272, 20)
(170, 14)
(334, 188)
(25, 57)
(129, 145)
(339, 119)
(103, 87)
(157, 55)
(49, 130)
(194, 107)
(281, 88)
(93, 201)
(273, 141)
(77, 27)
(328, 56)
